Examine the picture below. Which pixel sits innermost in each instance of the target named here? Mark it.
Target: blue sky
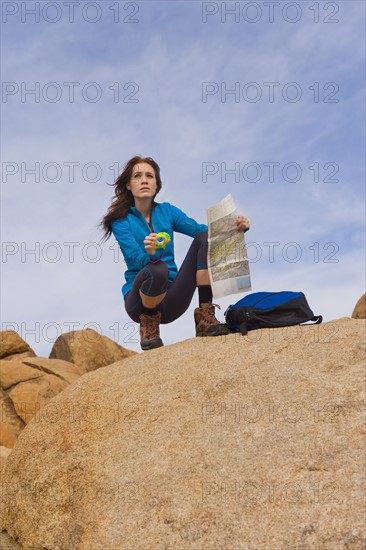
(168, 54)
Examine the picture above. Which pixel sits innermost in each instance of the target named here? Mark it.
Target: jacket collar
(134, 210)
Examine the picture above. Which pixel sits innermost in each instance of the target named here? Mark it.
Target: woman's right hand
(149, 243)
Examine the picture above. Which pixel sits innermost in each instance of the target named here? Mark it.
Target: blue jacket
(131, 231)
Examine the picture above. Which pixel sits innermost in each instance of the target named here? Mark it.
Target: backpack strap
(243, 328)
(317, 320)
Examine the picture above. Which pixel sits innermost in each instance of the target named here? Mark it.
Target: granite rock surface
(230, 443)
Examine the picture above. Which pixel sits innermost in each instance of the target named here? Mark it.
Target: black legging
(152, 280)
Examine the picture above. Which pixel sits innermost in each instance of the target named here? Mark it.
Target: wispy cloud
(169, 55)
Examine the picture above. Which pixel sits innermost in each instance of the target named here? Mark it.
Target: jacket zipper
(147, 225)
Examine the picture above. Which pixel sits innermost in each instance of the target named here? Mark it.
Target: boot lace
(150, 324)
(210, 314)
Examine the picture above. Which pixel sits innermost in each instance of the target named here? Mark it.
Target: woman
(155, 291)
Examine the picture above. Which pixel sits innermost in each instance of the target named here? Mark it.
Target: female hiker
(155, 291)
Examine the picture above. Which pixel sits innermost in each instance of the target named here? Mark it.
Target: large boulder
(63, 369)
(88, 349)
(231, 442)
(26, 386)
(12, 346)
(359, 311)
(10, 423)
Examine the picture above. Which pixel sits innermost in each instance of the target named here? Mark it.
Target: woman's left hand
(242, 223)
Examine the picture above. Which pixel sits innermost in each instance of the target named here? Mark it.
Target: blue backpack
(269, 309)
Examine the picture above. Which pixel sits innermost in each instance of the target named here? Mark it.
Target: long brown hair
(124, 198)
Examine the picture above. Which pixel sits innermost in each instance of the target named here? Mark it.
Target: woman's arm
(134, 256)
(183, 224)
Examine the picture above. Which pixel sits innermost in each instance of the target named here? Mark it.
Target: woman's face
(143, 181)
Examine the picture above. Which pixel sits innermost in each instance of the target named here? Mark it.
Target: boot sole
(218, 331)
(151, 344)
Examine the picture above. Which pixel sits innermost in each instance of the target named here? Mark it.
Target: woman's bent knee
(158, 267)
(159, 270)
(157, 281)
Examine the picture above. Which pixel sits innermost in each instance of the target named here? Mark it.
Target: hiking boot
(149, 331)
(206, 322)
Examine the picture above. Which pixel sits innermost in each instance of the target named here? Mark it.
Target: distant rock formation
(360, 308)
(26, 386)
(88, 349)
(12, 346)
(28, 383)
(232, 442)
